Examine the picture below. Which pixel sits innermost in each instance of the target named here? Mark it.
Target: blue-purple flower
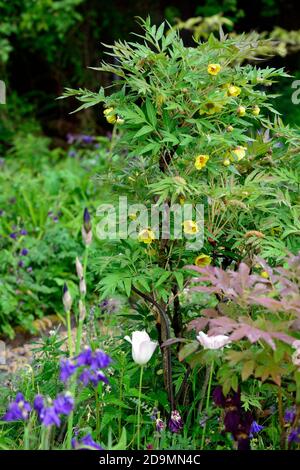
(67, 369)
(255, 428)
(289, 415)
(24, 252)
(18, 409)
(64, 403)
(175, 422)
(294, 436)
(49, 416)
(87, 443)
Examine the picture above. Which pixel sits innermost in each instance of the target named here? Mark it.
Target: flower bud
(79, 268)
(82, 310)
(241, 110)
(82, 287)
(67, 299)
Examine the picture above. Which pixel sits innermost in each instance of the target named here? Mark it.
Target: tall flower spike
(67, 299)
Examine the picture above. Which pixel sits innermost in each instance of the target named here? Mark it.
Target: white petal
(128, 339)
(145, 352)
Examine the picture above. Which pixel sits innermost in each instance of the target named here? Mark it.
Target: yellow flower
(226, 162)
(109, 115)
(190, 227)
(264, 274)
(213, 69)
(240, 152)
(181, 200)
(211, 108)
(132, 216)
(200, 161)
(202, 260)
(229, 128)
(146, 236)
(233, 90)
(241, 110)
(255, 110)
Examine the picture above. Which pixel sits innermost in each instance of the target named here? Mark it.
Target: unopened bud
(67, 299)
(87, 220)
(82, 310)
(82, 287)
(86, 236)
(79, 268)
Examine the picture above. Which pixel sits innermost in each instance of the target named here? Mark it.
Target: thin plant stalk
(207, 403)
(139, 410)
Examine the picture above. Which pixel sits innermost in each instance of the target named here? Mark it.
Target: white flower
(212, 342)
(142, 347)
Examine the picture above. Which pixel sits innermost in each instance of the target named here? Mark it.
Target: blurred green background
(47, 45)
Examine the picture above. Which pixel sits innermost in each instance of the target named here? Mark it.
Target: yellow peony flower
(233, 90)
(241, 110)
(264, 274)
(213, 69)
(255, 110)
(109, 115)
(146, 236)
(200, 161)
(202, 260)
(190, 227)
(240, 152)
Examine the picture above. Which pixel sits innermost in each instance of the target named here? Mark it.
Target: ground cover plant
(197, 348)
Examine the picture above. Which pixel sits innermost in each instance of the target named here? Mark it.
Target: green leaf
(151, 113)
(143, 131)
(122, 444)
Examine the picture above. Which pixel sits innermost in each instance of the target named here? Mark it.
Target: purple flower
(13, 235)
(85, 358)
(18, 409)
(23, 232)
(86, 442)
(97, 377)
(255, 428)
(85, 377)
(87, 139)
(24, 252)
(29, 269)
(1, 212)
(100, 360)
(160, 425)
(175, 422)
(72, 153)
(38, 404)
(21, 264)
(67, 369)
(64, 403)
(218, 397)
(49, 417)
(289, 415)
(294, 436)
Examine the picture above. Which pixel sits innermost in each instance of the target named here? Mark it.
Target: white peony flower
(212, 342)
(142, 347)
